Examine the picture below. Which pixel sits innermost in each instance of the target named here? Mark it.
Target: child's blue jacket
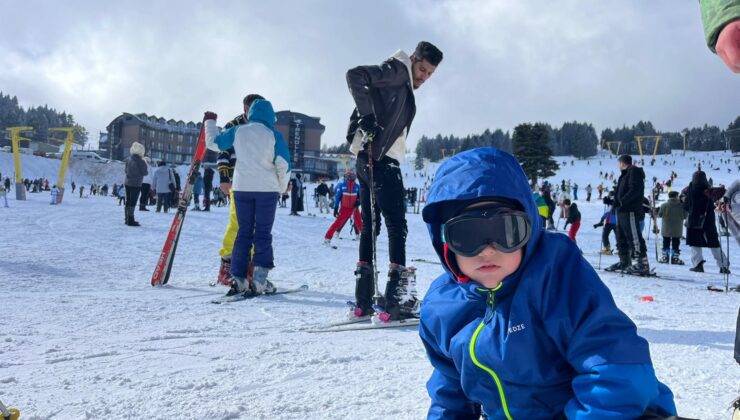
(549, 342)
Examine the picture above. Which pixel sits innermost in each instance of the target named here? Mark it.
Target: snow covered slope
(83, 335)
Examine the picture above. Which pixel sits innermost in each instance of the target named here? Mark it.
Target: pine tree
(531, 148)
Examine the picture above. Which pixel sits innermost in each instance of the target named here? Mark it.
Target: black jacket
(322, 190)
(630, 190)
(208, 178)
(385, 90)
(573, 214)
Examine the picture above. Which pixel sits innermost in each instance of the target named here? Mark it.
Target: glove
(336, 212)
(598, 225)
(208, 115)
(368, 124)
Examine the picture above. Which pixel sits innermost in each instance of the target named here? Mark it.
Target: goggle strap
(460, 277)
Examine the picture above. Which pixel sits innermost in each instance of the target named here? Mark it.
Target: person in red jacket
(346, 203)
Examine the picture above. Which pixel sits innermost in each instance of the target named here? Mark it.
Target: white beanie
(137, 149)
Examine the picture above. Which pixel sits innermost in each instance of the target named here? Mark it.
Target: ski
(358, 326)
(721, 290)
(351, 321)
(239, 298)
(164, 263)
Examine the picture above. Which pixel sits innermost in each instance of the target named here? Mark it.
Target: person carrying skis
(574, 219)
(262, 171)
(225, 163)
(520, 325)
(628, 203)
(672, 215)
(345, 205)
(385, 108)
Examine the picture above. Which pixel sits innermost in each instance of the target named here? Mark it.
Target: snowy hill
(85, 336)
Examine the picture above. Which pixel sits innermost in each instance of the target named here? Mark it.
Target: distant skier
(197, 191)
(574, 219)
(672, 215)
(162, 180)
(4, 195)
(609, 221)
(519, 325)
(54, 194)
(384, 110)
(262, 171)
(136, 170)
(323, 192)
(589, 189)
(346, 203)
(296, 195)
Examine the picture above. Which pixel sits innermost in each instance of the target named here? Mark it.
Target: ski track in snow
(85, 336)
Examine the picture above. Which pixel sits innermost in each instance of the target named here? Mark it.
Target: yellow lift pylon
(68, 140)
(639, 140)
(609, 146)
(16, 139)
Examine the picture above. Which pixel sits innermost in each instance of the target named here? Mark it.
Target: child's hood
(261, 111)
(472, 175)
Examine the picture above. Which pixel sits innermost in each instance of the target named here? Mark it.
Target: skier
(121, 194)
(506, 340)
(545, 191)
(226, 162)
(628, 203)
(345, 205)
(296, 195)
(701, 228)
(73, 187)
(589, 189)
(673, 215)
(4, 195)
(323, 192)
(385, 108)
(574, 219)
(609, 221)
(136, 170)
(197, 191)
(207, 187)
(161, 181)
(262, 171)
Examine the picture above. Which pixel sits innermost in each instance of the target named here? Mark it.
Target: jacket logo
(516, 328)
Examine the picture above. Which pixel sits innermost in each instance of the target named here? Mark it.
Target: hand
(208, 115)
(336, 212)
(369, 126)
(728, 45)
(225, 187)
(597, 225)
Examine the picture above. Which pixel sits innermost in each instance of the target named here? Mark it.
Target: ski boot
(606, 251)
(724, 270)
(699, 267)
(259, 284)
(400, 293)
(665, 257)
(620, 266)
(640, 268)
(364, 289)
(224, 272)
(675, 259)
(239, 285)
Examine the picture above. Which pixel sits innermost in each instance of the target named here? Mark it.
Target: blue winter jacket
(548, 342)
(346, 198)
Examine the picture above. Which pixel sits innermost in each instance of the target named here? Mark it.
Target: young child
(574, 219)
(672, 214)
(520, 325)
(609, 221)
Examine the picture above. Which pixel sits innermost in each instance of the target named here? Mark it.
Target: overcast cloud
(506, 62)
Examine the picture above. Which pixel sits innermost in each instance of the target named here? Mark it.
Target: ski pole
(727, 274)
(377, 296)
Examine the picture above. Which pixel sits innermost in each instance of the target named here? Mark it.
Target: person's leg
(573, 230)
(196, 201)
(390, 200)
(207, 198)
(696, 256)
(720, 257)
(144, 196)
(366, 244)
(265, 207)
(357, 218)
(623, 243)
(244, 204)
(344, 215)
(227, 245)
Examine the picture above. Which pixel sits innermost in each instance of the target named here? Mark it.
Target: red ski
(164, 264)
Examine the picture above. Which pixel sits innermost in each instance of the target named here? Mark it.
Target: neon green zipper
(481, 365)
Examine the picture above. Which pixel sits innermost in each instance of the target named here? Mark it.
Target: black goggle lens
(469, 233)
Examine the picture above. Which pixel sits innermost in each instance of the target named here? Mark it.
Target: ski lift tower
(16, 139)
(68, 140)
(639, 140)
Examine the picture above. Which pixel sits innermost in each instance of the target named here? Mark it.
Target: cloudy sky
(506, 61)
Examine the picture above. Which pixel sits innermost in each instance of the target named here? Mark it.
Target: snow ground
(85, 336)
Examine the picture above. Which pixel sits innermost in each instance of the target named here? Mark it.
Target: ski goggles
(472, 231)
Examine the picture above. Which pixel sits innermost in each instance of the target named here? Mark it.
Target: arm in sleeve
(281, 161)
(219, 141)
(614, 373)
(338, 195)
(715, 14)
(618, 391)
(732, 190)
(444, 387)
(635, 190)
(362, 78)
(661, 210)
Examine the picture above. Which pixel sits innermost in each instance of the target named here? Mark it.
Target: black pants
(207, 198)
(132, 196)
(630, 242)
(389, 193)
(737, 338)
(669, 242)
(163, 200)
(144, 194)
(608, 228)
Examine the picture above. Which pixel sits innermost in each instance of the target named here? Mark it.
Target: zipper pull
(491, 300)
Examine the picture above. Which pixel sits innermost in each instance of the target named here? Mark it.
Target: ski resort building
(303, 135)
(169, 140)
